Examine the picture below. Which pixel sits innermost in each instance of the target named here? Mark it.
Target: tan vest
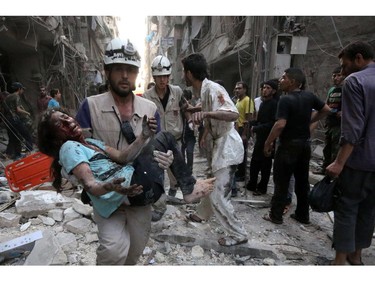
(171, 118)
(106, 125)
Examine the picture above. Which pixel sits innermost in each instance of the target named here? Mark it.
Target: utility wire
(338, 37)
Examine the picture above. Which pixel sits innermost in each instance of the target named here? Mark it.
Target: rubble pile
(42, 227)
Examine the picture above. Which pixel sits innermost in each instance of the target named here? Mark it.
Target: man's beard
(119, 92)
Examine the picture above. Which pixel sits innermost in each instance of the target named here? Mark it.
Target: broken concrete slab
(67, 241)
(9, 219)
(56, 214)
(38, 202)
(47, 251)
(256, 250)
(83, 209)
(70, 214)
(79, 226)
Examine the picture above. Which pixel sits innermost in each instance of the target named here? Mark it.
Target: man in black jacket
(262, 127)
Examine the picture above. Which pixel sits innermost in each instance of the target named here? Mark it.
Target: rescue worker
(167, 98)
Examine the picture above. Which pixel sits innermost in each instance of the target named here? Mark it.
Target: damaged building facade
(257, 48)
(64, 52)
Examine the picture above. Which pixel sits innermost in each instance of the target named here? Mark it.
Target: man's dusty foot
(202, 188)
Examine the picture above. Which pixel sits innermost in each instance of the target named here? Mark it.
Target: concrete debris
(69, 235)
(46, 220)
(9, 219)
(197, 251)
(25, 226)
(36, 202)
(79, 226)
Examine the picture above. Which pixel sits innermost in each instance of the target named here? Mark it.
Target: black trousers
(291, 157)
(264, 166)
(17, 133)
(148, 173)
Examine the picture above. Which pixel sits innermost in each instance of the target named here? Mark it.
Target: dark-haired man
(355, 162)
(218, 115)
(262, 127)
(333, 121)
(245, 107)
(293, 152)
(43, 99)
(17, 128)
(167, 98)
(115, 117)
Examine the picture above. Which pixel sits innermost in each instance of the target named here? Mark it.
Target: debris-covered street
(65, 234)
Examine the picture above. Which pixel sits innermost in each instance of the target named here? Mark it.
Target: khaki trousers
(123, 236)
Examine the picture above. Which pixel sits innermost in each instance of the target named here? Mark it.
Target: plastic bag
(323, 195)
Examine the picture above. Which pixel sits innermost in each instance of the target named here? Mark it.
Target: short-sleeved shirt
(296, 107)
(74, 153)
(244, 106)
(334, 97)
(53, 103)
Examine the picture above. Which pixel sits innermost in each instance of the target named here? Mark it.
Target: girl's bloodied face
(67, 127)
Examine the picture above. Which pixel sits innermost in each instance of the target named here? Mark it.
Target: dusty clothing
(227, 143)
(226, 154)
(73, 153)
(124, 225)
(144, 171)
(99, 113)
(219, 204)
(170, 115)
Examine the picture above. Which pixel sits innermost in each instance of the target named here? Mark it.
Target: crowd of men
(278, 123)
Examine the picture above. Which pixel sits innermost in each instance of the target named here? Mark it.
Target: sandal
(194, 218)
(352, 263)
(268, 217)
(230, 241)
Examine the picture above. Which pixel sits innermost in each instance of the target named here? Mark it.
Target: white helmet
(161, 66)
(121, 51)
